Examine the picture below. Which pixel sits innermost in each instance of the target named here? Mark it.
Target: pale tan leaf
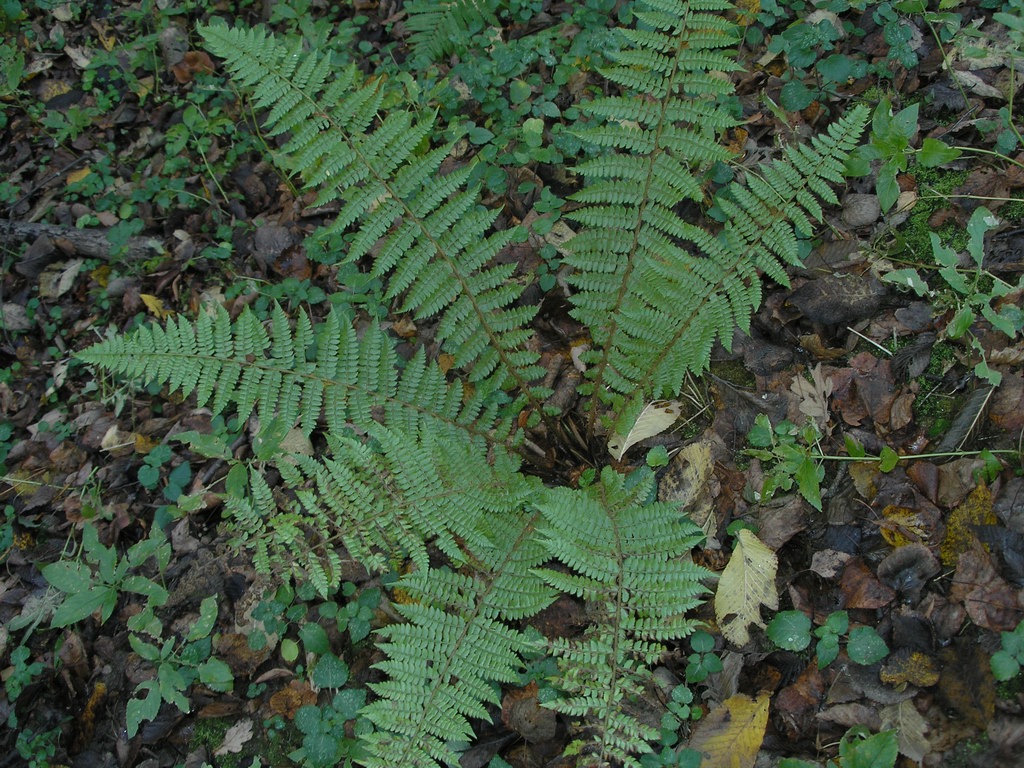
(911, 727)
(653, 420)
(235, 737)
(731, 735)
(747, 583)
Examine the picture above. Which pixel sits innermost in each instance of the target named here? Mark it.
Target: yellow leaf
(902, 523)
(975, 510)
(156, 306)
(747, 583)
(731, 735)
(653, 420)
(76, 176)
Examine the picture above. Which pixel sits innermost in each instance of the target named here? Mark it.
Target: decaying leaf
(687, 484)
(653, 420)
(966, 683)
(235, 738)
(906, 666)
(975, 510)
(747, 583)
(910, 728)
(731, 735)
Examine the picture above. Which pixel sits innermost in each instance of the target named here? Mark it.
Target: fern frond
(428, 228)
(631, 564)
(461, 620)
(293, 376)
(657, 291)
(437, 25)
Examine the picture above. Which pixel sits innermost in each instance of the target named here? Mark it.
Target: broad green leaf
(140, 585)
(330, 672)
(865, 646)
(888, 459)
(216, 675)
(143, 709)
(790, 630)
(207, 618)
(68, 577)
(886, 188)
(908, 278)
(934, 153)
(827, 650)
(808, 477)
(878, 751)
(1004, 666)
(348, 702)
(82, 605)
(961, 323)
(314, 638)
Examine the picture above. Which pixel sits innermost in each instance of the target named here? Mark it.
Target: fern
(437, 26)
(435, 248)
(656, 290)
(418, 467)
(631, 564)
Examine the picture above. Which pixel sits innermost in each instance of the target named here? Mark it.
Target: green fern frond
(631, 564)
(444, 662)
(292, 376)
(428, 228)
(655, 290)
(437, 25)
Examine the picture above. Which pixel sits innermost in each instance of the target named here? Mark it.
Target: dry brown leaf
(988, 599)
(522, 713)
(911, 728)
(235, 738)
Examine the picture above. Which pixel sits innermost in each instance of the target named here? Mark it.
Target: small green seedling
(858, 749)
(1007, 661)
(791, 631)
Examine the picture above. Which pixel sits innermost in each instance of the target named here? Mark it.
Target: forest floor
(137, 186)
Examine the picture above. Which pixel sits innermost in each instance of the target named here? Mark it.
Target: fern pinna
(631, 564)
(654, 289)
(435, 249)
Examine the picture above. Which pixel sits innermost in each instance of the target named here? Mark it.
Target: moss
(734, 372)
(913, 240)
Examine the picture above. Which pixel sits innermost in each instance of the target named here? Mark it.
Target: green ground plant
(791, 631)
(434, 460)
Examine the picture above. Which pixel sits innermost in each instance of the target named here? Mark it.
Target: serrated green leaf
(68, 577)
(934, 153)
(81, 606)
(140, 710)
(216, 675)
